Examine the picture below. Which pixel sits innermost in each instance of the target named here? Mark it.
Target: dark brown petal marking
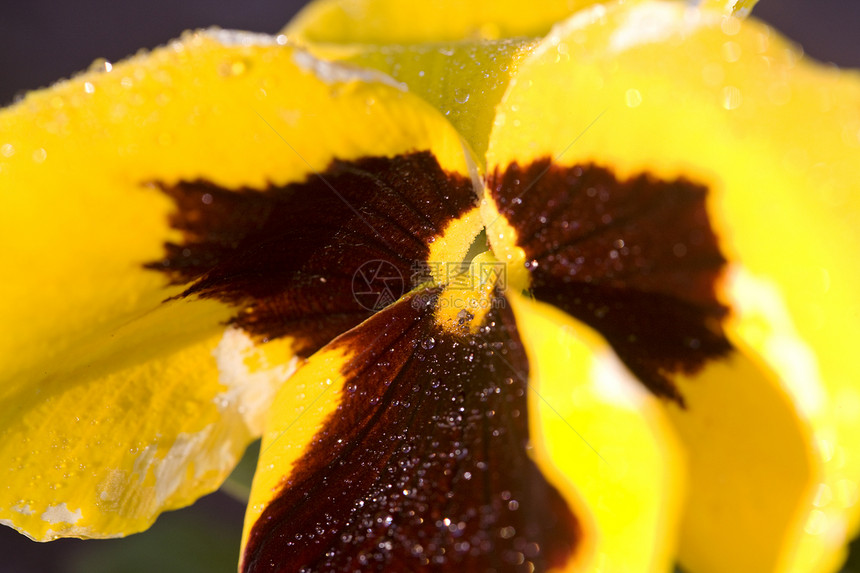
(286, 256)
(424, 463)
(637, 260)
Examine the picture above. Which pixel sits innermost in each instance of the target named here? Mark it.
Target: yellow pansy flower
(241, 235)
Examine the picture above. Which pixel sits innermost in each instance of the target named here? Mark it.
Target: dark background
(42, 41)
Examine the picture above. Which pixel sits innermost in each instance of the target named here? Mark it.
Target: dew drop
(823, 496)
(428, 343)
(816, 523)
(40, 155)
(507, 532)
(7, 150)
(731, 97)
(730, 26)
(461, 95)
(232, 68)
(633, 98)
(731, 52)
(101, 65)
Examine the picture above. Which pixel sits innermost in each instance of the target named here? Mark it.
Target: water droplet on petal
(101, 65)
(823, 496)
(40, 155)
(816, 523)
(232, 68)
(732, 98)
(633, 97)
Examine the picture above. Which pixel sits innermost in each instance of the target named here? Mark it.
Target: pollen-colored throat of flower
(468, 296)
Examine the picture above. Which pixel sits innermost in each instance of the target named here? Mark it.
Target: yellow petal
(731, 106)
(752, 468)
(458, 56)
(463, 80)
(604, 440)
(116, 404)
(763, 324)
(392, 22)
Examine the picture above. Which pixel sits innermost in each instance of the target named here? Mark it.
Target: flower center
(470, 294)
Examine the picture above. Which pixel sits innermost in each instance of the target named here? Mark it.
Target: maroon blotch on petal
(635, 259)
(288, 257)
(425, 462)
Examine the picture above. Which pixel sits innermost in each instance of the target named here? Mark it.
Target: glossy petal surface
(118, 403)
(666, 90)
(403, 445)
(604, 440)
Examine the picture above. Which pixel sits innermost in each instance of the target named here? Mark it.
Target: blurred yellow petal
(675, 94)
(604, 440)
(392, 22)
(463, 80)
(122, 392)
(763, 324)
(752, 469)
(458, 56)
(734, 7)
